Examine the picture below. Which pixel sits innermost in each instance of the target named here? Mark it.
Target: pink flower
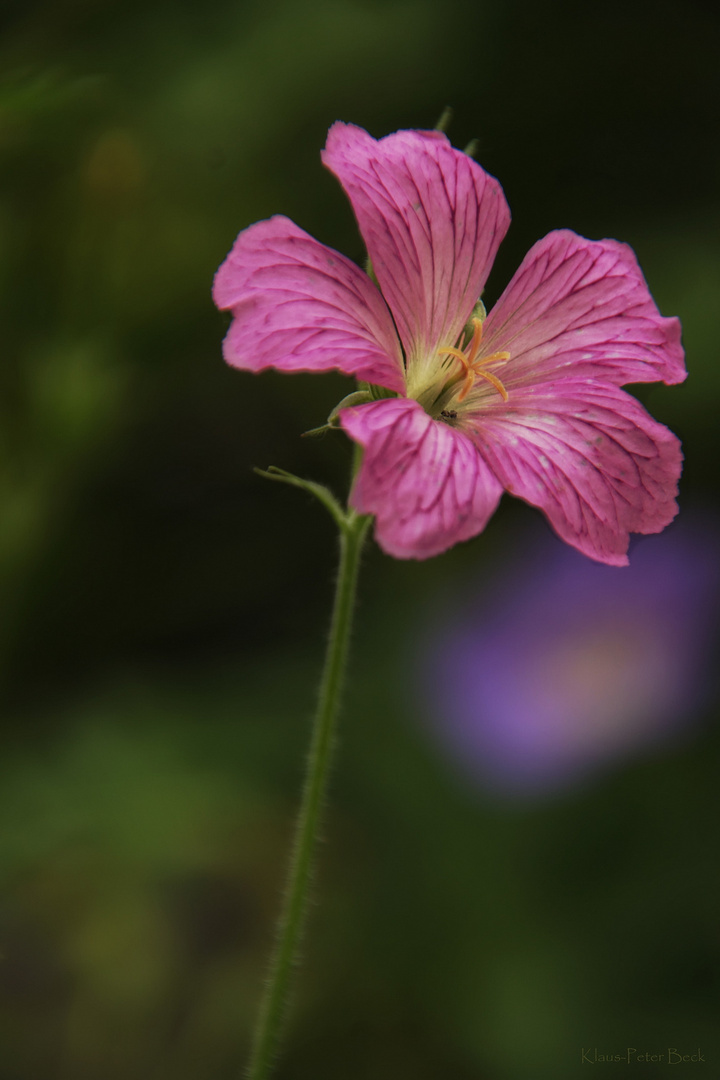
(526, 400)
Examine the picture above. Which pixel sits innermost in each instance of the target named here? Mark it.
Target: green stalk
(294, 910)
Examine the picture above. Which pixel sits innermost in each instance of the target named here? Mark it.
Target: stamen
(496, 356)
(456, 353)
(475, 341)
(471, 365)
(473, 346)
(466, 386)
(469, 380)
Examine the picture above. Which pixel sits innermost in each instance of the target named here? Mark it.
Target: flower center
(471, 367)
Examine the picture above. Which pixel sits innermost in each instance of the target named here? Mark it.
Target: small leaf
(320, 492)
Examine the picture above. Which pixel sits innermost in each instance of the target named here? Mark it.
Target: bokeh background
(163, 610)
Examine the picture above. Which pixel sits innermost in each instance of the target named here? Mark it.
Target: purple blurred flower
(572, 665)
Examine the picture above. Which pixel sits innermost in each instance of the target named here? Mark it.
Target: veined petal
(425, 482)
(300, 306)
(432, 221)
(590, 456)
(582, 308)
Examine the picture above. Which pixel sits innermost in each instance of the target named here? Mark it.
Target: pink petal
(424, 481)
(582, 308)
(300, 306)
(432, 221)
(590, 456)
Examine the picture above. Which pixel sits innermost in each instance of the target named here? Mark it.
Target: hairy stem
(294, 909)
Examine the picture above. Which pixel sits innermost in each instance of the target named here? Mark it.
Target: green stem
(294, 910)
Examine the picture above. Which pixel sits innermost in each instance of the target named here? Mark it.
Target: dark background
(163, 609)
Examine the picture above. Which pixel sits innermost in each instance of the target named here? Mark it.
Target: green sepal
(380, 392)
(315, 432)
(370, 272)
(358, 397)
(367, 393)
(445, 119)
(376, 392)
(478, 312)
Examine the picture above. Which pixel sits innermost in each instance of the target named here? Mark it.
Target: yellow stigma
(473, 367)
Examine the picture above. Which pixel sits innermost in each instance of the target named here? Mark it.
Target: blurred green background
(164, 610)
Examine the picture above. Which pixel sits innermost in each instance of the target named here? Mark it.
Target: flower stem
(294, 909)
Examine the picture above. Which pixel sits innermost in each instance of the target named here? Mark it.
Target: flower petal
(582, 308)
(425, 482)
(590, 456)
(432, 221)
(300, 306)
